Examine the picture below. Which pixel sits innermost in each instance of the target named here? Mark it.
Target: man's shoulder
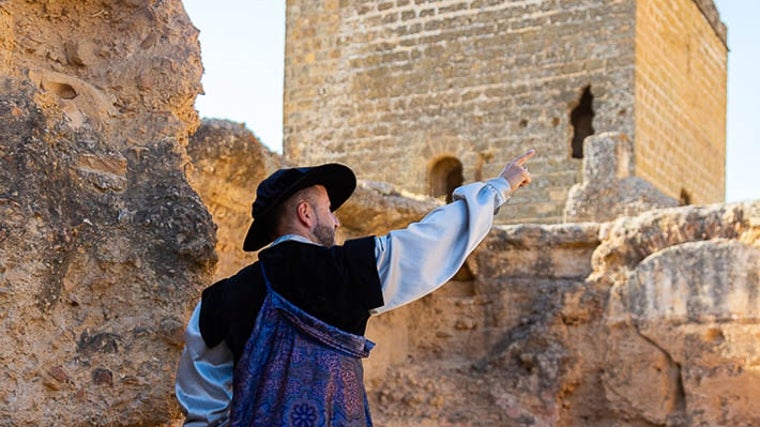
(229, 299)
(235, 284)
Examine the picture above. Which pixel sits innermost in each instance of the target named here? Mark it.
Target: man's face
(327, 222)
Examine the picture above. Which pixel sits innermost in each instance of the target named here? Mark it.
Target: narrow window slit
(582, 120)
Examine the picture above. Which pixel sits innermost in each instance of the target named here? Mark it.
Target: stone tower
(427, 94)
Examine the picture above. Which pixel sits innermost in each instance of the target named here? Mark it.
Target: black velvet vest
(338, 285)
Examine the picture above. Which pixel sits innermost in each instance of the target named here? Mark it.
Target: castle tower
(426, 94)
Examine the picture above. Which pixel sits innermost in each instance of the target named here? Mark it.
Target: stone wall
(418, 82)
(423, 82)
(681, 77)
(103, 244)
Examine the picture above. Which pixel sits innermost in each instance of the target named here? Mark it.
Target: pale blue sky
(243, 43)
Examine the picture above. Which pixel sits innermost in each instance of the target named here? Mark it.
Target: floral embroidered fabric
(297, 370)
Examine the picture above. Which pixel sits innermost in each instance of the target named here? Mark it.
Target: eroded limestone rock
(228, 162)
(684, 323)
(102, 241)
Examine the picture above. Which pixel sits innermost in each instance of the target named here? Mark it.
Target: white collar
(293, 237)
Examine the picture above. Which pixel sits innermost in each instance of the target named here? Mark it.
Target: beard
(325, 235)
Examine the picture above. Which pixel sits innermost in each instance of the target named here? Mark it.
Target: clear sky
(243, 44)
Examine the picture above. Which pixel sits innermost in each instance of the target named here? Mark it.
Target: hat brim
(338, 180)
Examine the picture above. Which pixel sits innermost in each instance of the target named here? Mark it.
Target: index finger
(525, 157)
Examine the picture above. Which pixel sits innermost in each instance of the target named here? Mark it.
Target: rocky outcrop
(227, 164)
(609, 190)
(648, 320)
(683, 316)
(102, 241)
(377, 208)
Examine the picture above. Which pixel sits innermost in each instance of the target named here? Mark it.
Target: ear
(305, 214)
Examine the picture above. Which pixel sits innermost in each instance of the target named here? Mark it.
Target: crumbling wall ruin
(442, 82)
(609, 189)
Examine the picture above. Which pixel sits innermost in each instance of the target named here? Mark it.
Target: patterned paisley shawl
(299, 371)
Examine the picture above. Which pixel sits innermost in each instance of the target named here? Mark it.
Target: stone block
(608, 189)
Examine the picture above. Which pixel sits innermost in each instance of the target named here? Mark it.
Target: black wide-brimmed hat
(338, 180)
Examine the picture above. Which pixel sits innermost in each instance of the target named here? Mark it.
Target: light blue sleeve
(204, 379)
(419, 259)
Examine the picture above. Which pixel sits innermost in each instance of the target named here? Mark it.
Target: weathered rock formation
(228, 162)
(644, 321)
(683, 315)
(103, 243)
(609, 189)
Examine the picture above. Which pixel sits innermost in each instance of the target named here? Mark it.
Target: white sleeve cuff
(501, 185)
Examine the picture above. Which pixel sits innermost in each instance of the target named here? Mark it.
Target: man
(281, 342)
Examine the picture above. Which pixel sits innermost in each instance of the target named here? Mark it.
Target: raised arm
(417, 260)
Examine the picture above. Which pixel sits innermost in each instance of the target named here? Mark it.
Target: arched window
(445, 176)
(582, 119)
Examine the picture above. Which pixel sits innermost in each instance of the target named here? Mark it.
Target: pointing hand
(516, 173)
